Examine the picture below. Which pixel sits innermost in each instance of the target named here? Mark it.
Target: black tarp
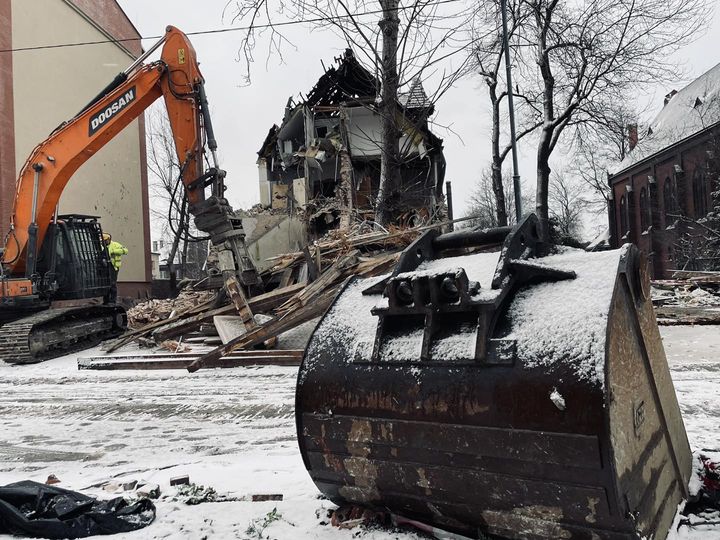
(36, 510)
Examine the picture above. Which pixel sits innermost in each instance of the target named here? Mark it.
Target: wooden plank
(286, 277)
(175, 362)
(313, 271)
(191, 355)
(261, 303)
(268, 330)
(687, 274)
(265, 302)
(672, 315)
(145, 330)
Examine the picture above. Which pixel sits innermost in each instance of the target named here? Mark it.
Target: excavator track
(56, 332)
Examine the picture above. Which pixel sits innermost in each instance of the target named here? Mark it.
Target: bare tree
(697, 241)
(483, 202)
(592, 54)
(488, 59)
(403, 43)
(567, 204)
(601, 143)
(169, 207)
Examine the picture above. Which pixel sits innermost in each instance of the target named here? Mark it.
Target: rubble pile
(156, 310)
(300, 285)
(692, 298)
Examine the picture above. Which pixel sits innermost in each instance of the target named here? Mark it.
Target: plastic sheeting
(37, 510)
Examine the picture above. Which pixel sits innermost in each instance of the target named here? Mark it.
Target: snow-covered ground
(231, 429)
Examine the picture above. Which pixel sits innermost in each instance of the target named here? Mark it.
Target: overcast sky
(243, 114)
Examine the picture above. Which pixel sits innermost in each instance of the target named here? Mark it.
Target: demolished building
(322, 163)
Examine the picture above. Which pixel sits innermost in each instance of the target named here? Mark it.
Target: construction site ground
(233, 430)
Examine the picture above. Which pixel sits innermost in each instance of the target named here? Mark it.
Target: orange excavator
(55, 275)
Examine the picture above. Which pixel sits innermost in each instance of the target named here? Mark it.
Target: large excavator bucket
(519, 393)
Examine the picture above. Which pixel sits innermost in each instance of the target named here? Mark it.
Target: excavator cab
(498, 387)
(74, 262)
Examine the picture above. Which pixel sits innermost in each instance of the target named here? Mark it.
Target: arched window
(623, 217)
(669, 200)
(700, 193)
(644, 210)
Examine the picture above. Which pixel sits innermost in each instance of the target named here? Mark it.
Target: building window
(623, 217)
(670, 200)
(644, 210)
(700, 193)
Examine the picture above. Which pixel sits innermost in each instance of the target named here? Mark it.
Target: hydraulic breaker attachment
(522, 393)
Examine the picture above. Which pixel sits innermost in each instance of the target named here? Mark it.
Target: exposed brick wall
(7, 120)
(657, 243)
(110, 17)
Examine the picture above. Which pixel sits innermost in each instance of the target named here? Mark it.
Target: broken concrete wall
(269, 235)
(264, 182)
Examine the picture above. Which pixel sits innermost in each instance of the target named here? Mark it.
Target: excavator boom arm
(176, 77)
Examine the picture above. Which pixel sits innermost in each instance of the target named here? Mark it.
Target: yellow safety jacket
(116, 250)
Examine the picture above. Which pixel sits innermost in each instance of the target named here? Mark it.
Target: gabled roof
(692, 110)
(415, 98)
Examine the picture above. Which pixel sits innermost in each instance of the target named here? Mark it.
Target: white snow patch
(696, 483)
(566, 321)
(459, 345)
(406, 346)
(349, 320)
(479, 267)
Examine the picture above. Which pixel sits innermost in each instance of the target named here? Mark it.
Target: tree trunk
(496, 168)
(499, 191)
(543, 184)
(390, 151)
(543, 19)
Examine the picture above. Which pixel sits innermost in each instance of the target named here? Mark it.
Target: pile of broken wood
(305, 284)
(688, 298)
(161, 309)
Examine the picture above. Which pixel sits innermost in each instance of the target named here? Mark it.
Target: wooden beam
(182, 361)
(268, 330)
(194, 317)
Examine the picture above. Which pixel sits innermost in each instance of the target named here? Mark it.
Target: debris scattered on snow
(52, 479)
(174, 346)
(151, 491)
(557, 399)
(180, 480)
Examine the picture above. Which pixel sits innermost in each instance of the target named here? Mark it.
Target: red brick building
(666, 174)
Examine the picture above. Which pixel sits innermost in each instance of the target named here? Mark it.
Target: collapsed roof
(349, 84)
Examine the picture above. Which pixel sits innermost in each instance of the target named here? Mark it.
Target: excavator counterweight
(518, 390)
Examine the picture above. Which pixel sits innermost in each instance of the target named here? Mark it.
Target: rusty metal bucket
(519, 393)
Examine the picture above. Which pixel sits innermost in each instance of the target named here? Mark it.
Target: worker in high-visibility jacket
(116, 250)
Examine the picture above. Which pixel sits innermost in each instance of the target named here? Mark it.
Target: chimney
(632, 136)
(669, 96)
